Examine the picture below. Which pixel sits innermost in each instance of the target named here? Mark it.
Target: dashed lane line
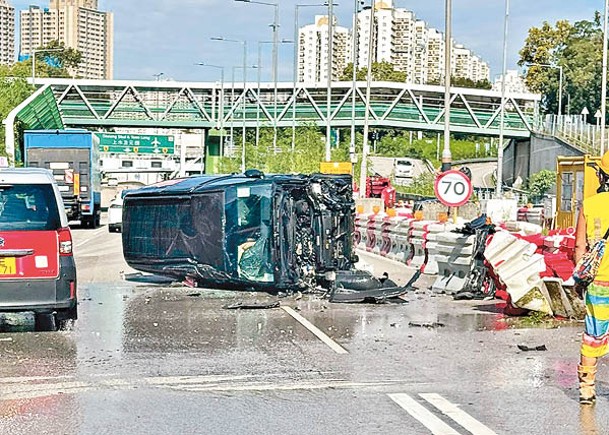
(316, 331)
(422, 414)
(93, 235)
(458, 415)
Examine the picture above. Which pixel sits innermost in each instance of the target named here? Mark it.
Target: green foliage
(309, 151)
(420, 185)
(396, 143)
(49, 64)
(462, 82)
(541, 182)
(577, 48)
(381, 71)
(13, 91)
(14, 88)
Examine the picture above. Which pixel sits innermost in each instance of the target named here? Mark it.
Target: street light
(354, 61)
(221, 105)
(365, 145)
(329, 90)
(283, 41)
(40, 50)
(560, 81)
(295, 75)
(275, 27)
(446, 154)
(499, 181)
(244, 43)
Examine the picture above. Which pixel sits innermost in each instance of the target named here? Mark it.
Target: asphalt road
(148, 358)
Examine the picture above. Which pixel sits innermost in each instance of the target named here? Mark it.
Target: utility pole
(329, 90)
(446, 154)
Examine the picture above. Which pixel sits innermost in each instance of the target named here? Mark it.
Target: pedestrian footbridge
(59, 103)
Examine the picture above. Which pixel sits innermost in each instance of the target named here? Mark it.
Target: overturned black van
(251, 232)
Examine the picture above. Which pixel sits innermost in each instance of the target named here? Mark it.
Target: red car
(37, 269)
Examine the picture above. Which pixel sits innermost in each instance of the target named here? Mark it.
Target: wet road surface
(166, 359)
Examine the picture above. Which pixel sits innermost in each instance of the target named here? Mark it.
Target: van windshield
(30, 207)
(404, 163)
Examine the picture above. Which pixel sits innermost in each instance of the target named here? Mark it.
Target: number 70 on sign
(453, 188)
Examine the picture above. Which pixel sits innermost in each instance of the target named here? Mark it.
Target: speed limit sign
(453, 188)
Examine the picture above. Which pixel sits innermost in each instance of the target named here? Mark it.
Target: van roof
(26, 176)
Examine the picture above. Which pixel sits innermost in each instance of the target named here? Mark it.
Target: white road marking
(93, 235)
(316, 331)
(454, 412)
(425, 417)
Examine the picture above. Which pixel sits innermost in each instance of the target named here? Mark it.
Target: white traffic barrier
(401, 250)
(533, 215)
(431, 244)
(361, 228)
(455, 261)
(525, 228)
(418, 239)
(518, 266)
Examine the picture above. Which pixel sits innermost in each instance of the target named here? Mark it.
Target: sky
(173, 36)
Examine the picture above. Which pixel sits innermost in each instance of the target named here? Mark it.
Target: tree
(577, 49)
(48, 64)
(381, 71)
(541, 182)
(463, 82)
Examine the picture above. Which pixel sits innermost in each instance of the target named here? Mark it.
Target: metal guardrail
(573, 130)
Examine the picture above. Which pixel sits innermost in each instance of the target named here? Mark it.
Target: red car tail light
(65, 241)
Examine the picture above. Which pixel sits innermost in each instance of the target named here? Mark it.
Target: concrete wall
(523, 158)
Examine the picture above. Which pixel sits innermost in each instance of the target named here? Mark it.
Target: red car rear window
(28, 207)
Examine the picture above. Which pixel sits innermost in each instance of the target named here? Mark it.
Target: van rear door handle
(15, 252)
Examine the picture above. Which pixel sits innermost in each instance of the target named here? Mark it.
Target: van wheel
(45, 322)
(64, 320)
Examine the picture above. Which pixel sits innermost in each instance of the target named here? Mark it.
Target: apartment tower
(313, 51)
(7, 33)
(78, 24)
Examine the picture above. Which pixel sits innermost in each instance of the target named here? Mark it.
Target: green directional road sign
(135, 144)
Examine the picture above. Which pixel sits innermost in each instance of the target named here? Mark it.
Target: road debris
(252, 306)
(525, 348)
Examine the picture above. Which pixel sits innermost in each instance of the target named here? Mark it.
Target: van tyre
(64, 320)
(45, 322)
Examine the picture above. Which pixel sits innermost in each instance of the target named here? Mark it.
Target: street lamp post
(220, 111)
(275, 27)
(499, 181)
(329, 86)
(295, 73)
(40, 50)
(446, 154)
(283, 41)
(365, 147)
(244, 43)
(354, 79)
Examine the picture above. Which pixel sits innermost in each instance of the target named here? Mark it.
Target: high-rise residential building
(435, 56)
(7, 33)
(514, 83)
(78, 24)
(313, 51)
(394, 37)
(407, 43)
